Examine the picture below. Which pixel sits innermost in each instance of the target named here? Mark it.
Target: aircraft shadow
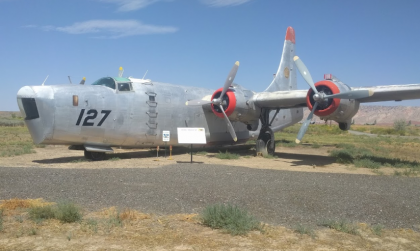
(305, 159)
(242, 150)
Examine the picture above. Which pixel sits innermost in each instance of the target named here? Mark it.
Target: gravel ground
(273, 196)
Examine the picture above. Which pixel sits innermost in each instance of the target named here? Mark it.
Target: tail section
(285, 78)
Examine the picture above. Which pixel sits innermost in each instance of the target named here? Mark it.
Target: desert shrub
(227, 155)
(377, 229)
(39, 213)
(342, 156)
(67, 212)
(1, 219)
(367, 163)
(315, 145)
(301, 229)
(234, 220)
(342, 226)
(400, 125)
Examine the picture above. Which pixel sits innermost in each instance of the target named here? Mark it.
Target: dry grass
(15, 203)
(141, 231)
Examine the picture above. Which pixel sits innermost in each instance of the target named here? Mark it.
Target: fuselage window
(124, 87)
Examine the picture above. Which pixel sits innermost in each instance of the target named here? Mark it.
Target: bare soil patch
(303, 159)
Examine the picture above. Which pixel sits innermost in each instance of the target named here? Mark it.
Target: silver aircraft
(130, 112)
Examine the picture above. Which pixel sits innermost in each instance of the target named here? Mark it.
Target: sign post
(191, 135)
(166, 136)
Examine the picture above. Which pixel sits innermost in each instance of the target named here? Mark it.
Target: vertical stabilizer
(285, 78)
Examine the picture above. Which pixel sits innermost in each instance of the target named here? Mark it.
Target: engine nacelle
(236, 107)
(339, 110)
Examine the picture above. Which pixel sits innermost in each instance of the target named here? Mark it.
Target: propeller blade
(197, 102)
(305, 73)
(229, 80)
(305, 125)
(356, 94)
(229, 125)
(83, 81)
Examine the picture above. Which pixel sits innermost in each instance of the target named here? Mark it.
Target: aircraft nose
(36, 103)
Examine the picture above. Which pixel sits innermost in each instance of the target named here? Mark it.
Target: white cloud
(223, 3)
(110, 28)
(130, 5)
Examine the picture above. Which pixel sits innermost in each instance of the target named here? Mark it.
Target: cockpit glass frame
(106, 81)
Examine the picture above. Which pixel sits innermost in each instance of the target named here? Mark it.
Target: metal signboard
(166, 136)
(191, 135)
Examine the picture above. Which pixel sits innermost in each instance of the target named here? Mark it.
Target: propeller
(219, 101)
(321, 97)
(82, 82)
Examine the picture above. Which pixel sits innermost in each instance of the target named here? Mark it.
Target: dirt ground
(302, 159)
(140, 231)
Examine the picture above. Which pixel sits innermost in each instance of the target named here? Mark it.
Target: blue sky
(196, 42)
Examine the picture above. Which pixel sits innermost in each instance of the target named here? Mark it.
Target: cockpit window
(107, 81)
(124, 87)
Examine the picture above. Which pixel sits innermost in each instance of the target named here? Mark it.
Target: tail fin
(285, 78)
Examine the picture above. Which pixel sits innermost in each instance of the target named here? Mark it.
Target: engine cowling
(339, 110)
(236, 107)
(228, 103)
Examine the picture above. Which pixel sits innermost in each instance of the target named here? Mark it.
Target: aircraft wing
(297, 98)
(391, 92)
(281, 99)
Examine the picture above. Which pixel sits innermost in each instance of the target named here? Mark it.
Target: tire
(261, 148)
(87, 155)
(95, 156)
(264, 145)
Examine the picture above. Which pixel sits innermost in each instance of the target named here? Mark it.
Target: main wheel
(95, 156)
(344, 126)
(265, 143)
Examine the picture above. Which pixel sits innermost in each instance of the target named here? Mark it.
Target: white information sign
(191, 135)
(166, 136)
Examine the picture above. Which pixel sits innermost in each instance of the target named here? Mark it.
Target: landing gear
(344, 126)
(95, 156)
(265, 143)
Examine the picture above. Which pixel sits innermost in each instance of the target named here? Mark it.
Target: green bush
(40, 213)
(377, 229)
(234, 220)
(67, 212)
(342, 226)
(1, 220)
(342, 156)
(227, 155)
(400, 125)
(367, 163)
(305, 230)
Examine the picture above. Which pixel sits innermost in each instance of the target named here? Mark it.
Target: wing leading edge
(391, 92)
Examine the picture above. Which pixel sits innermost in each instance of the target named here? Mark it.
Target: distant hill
(384, 115)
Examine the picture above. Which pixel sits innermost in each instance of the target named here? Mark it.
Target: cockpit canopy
(123, 84)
